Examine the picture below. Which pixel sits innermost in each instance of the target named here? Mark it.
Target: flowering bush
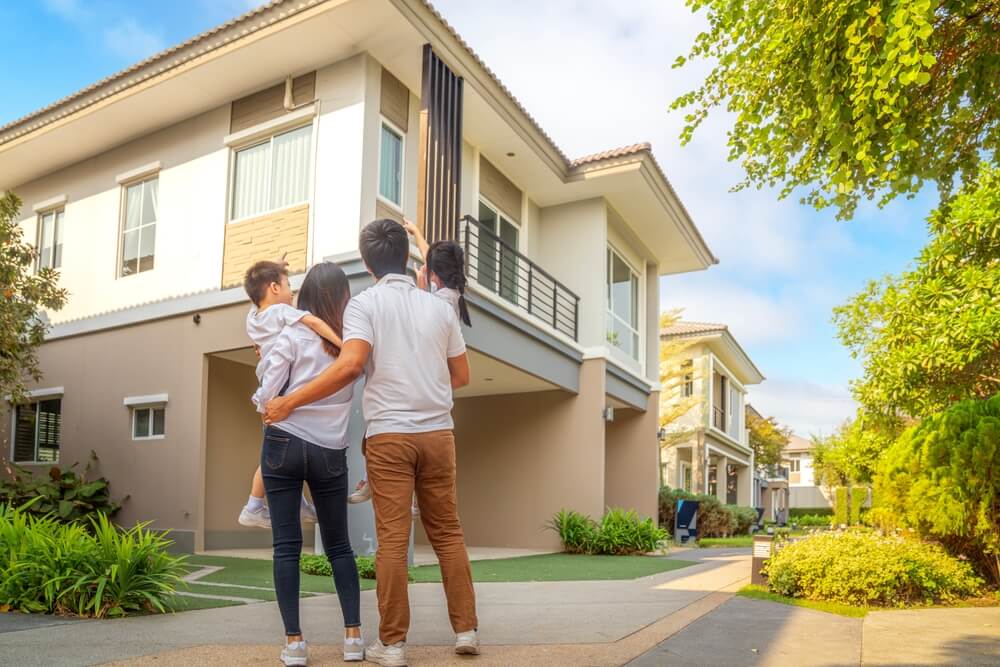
(863, 567)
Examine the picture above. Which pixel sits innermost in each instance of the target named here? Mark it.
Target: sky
(596, 74)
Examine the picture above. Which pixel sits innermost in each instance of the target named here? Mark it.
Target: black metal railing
(493, 264)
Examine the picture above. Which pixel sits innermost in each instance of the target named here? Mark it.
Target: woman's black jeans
(285, 462)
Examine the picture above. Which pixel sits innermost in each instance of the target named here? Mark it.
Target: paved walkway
(683, 617)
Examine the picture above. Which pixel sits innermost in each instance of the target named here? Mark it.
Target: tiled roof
(798, 444)
(692, 328)
(624, 151)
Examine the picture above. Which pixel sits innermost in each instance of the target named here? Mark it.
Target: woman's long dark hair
(446, 260)
(325, 293)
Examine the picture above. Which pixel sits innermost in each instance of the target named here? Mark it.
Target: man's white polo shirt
(412, 334)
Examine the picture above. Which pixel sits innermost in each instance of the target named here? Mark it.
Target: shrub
(714, 518)
(319, 565)
(862, 567)
(620, 532)
(63, 493)
(859, 494)
(796, 512)
(668, 505)
(53, 567)
(942, 478)
(841, 516)
(745, 518)
(813, 521)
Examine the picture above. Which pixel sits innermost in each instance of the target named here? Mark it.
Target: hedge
(794, 512)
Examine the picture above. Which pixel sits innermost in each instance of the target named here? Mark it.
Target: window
(148, 422)
(623, 305)
(139, 226)
(687, 389)
(684, 477)
(272, 174)
(794, 465)
(36, 431)
(497, 263)
(390, 166)
(50, 232)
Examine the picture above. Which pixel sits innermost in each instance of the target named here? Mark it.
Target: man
(409, 345)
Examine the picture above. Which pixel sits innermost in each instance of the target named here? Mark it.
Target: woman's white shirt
(297, 356)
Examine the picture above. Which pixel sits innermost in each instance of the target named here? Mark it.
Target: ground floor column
(632, 455)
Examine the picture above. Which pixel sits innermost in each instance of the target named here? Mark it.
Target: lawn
(254, 572)
(726, 542)
(188, 603)
(559, 567)
(761, 593)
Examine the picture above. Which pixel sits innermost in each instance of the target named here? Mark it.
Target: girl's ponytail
(446, 260)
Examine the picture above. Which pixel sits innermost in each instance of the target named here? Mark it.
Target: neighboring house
(713, 456)
(286, 130)
(770, 485)
(802, 487)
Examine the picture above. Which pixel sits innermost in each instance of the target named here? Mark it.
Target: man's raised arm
(347, 368)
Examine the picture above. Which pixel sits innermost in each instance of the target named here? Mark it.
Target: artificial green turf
(559, 567)
(187, 603)
(761, 593)
(255, 572)
(726, 542)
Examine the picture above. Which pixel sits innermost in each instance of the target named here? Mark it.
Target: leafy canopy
(865, 99)
(24, 294)
(931, 336)
(767, 439)
(852, 453)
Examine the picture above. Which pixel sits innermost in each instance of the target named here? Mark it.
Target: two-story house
(803, 490)
(286, 130)
(711, 451)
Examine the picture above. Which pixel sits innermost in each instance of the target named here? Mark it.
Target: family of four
(404, 337)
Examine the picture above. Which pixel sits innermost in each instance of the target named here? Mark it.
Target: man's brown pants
(399, 464)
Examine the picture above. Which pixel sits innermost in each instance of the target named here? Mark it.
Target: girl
(443, 272)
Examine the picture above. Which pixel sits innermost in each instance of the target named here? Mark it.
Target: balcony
(719, 418)
(499, 268)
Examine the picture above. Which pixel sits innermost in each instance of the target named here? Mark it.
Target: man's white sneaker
(295, 654)
(308, 512)
(362, 495)
(259, 518)
(354, 649)
(467, 643)
(393, 655)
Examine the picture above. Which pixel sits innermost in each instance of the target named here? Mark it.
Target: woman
(310, 446)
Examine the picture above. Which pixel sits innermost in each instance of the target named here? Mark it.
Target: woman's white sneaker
(295, 654)
(354, 649)
(393, 655)
(467, 643)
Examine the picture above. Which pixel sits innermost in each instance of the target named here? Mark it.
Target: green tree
(851, 455)
(767, 439)
(942, 478)
(931, 337)
(852, 100)
(24, 293)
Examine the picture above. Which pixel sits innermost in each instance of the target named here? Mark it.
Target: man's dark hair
(385, 247)
(260, 276)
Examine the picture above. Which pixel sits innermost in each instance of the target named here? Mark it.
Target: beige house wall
(523, 457)
(631, 454)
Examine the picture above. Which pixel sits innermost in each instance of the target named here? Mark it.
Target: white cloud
(68, 10)
(807, 407)
(130, 40)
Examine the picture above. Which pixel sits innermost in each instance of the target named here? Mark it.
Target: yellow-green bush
(840, 508)
(859, 494)
(863, 567)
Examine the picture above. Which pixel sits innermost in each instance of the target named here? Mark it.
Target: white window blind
(273, 174)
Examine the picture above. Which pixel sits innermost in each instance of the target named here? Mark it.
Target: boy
(266, 283)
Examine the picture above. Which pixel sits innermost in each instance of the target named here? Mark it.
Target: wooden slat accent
(499, 189)
(440, 179)
(266, 237)
(270, 102)
(394, 101)
(383, 210)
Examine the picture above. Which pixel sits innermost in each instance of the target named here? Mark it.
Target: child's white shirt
(264, 326)
(450, 295)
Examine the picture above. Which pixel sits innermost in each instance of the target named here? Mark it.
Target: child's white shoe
(362, 495)
(258, 518)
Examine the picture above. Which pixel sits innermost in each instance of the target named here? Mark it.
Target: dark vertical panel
(441, 100)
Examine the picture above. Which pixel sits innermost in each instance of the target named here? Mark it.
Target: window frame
(58, 214)
(395, 129)
(123, 212)
(609, 304)
(687, 380)
(259, 141)
(151, 408)
(34, 400)
(501, 216)
(794, 465)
